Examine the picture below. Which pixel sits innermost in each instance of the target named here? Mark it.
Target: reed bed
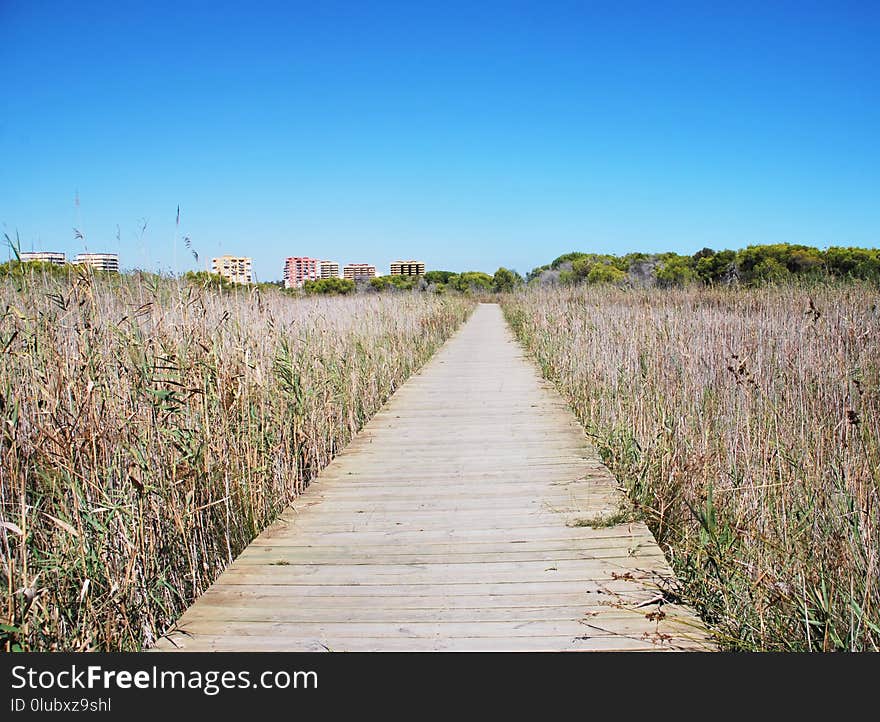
(150, 429)
(745, 427)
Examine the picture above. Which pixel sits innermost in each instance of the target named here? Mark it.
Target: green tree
(471, 281)
(676, 271)
(401, 283)
(804, 260)
(329, 286)
(777, 262)
(404, 283)
(581, 267)
(631, 259)
(567, 278)
(862, 263)
(768, 269)
(567, 258)
(439, 276)
(585, 263)
(536, 272)
(714, 267)
(207, 280)
(605, 273)
(506, 280)
(20, 269)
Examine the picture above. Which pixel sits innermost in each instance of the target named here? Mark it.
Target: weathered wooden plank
(473, 546)
(284, 613)
(260, 556)
(487, 572)
(363, 524)
(537, 511)
(446, 550)
(398, 535)
(637, 590)
(439, 503)
(604, 626)
(481, 539)
(228, 642)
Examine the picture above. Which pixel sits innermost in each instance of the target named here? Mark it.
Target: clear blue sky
(470, 135)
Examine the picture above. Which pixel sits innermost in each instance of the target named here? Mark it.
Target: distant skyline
(465, 135)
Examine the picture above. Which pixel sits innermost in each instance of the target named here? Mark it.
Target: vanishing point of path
(454, 521)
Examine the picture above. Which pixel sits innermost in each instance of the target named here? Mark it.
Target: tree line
(753, 265)
(502, 280)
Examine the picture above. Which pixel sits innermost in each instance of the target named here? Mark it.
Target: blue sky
(469, 135)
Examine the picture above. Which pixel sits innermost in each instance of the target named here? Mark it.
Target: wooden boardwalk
(456, 520)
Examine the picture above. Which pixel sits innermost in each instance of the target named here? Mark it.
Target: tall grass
(745, 424)
(149, 430)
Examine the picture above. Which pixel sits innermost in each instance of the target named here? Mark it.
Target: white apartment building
(328, 269)
(98, 261)
(236, 269)
(59, 259)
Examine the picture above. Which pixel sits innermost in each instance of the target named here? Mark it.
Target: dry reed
(745, 424)
(149, 430)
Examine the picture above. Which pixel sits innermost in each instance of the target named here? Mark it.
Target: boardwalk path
(451, 523)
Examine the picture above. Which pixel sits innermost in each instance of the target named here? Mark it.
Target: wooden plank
(566, 570)
(283, 613)
(463, 536)
(452, 522)
(229, 642)
(424, 505)
(260, 556)
(471, 546)
(605, 626)
(396, 534)
(637, 590)
(600, 597)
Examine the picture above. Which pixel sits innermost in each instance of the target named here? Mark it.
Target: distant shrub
(605, 273)
(439, 276)
(676, 271)
(330, 286)
(21, 269)
(506, 280)
(472, 281)
(209, 280)
(402, 283)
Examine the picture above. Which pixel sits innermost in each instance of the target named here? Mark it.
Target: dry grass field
(745, 427)
(150, 429)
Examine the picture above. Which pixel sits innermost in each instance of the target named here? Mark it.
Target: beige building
(59, 259)
(98, 261)
(236, 269)
(407, 268)
(328, 269)
(359, 271)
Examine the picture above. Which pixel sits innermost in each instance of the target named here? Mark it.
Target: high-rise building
(98, 261)
(236, 269)
(328, 269)
(359, 271)
(407, 268)
(59, 259)
(299, 269)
